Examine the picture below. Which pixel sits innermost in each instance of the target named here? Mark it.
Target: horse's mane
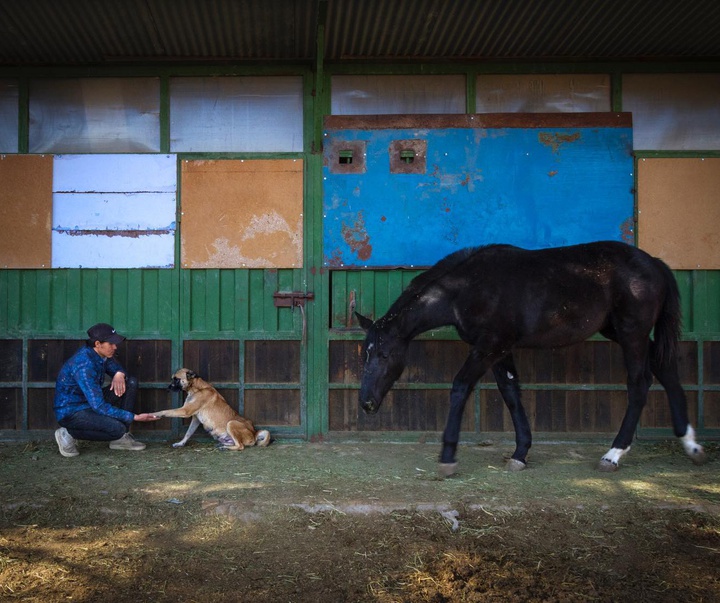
(427, 278)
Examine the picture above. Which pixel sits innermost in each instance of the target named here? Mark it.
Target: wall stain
(335, 260)
(556, 140)
(357, 238)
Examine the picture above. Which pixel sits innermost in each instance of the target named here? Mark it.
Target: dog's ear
(190, 375)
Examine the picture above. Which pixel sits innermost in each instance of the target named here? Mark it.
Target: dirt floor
(360, 522)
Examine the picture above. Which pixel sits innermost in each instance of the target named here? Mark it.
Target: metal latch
(291, 299)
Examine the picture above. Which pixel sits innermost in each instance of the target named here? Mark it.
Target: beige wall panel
(679, 211)
(242, 213)
(26, 210)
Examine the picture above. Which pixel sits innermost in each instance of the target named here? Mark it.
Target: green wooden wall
(170, 317)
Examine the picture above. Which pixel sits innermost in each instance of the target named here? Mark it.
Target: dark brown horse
(501, 297)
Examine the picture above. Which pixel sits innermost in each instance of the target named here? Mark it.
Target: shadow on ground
(356, 522)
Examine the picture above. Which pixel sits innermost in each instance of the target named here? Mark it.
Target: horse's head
(383, 355)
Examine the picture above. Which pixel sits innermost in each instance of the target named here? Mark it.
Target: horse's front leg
(474, 368)
(507, 381)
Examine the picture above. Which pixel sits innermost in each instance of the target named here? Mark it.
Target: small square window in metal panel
(408, 156)
(346, 157)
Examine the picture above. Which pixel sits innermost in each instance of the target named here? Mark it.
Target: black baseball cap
(104, 332)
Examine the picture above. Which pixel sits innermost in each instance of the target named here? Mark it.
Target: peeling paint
(223, 254)
(453, 181)
(627, 231)
(269, 223)
(556, 140)
(280, 236)
(357, 238)
(131, 234)
(335, 260)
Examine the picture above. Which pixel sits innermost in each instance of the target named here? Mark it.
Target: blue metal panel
(528, 186)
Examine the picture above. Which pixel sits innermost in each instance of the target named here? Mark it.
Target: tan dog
(205, 405)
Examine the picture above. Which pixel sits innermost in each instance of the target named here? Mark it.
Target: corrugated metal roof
(523, 29)
(91, 32)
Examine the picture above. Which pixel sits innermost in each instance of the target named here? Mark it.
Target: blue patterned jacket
(79, 386)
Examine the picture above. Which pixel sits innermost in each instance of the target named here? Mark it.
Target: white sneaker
(127, 442)
(65, 442)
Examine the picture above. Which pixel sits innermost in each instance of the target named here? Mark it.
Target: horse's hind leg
(639, 380)
(667, 375)
(509, 386)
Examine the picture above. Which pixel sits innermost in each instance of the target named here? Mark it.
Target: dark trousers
(89, 425)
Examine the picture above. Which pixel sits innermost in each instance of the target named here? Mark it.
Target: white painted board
(102, 251)
(119, 173)
(114, 211)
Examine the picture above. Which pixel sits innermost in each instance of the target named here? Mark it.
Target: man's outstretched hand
(146, 416)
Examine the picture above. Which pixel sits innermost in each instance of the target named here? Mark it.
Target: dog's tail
(262, 437)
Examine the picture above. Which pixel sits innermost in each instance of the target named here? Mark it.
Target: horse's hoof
(515, 465)
(446, 469)
(699, 457)
(607, 466)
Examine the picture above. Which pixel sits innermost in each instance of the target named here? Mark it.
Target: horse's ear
(365, 322)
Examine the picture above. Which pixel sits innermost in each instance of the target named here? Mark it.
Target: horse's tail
(669, 323)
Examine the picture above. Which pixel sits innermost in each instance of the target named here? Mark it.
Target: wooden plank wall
(579, 389)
